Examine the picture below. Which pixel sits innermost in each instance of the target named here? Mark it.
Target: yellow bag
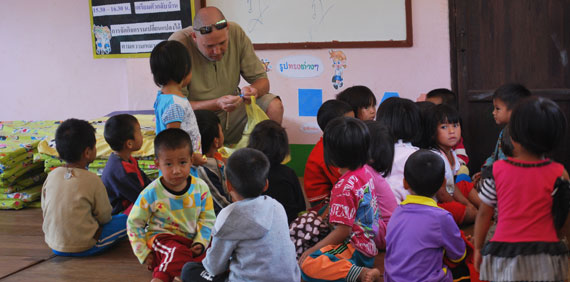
(255, 115)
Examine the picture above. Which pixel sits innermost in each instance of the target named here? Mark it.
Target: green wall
(299, 155)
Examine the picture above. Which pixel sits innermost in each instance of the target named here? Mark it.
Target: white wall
(47, 70)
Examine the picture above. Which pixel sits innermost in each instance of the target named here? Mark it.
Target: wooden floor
(25, 257)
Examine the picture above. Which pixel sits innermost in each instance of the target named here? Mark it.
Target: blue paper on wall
(389, 95)
(310, 100)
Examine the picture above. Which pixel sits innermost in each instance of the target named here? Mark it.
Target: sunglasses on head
(208, 28)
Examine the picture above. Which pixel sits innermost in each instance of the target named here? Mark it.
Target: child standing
(212, 172)
(445, 128)
(420, 233)
(75, 206)
(122, 176)
(251, 236)
(362, 101)
(505, 99)
(171, 221)
(171, 69)
(402, 118)
(348, 251)
(525, 245)
(320, 178)
(271, 139)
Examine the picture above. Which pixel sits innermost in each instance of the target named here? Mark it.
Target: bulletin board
(297, 24)
(126, 29)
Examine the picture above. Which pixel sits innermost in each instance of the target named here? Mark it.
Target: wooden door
(499, 41)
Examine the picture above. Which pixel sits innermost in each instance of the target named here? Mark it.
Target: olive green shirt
(211, 80)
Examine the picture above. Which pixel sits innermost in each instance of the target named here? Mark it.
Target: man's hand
(228, 103)
(149, 260)
(197, 249)
(247, 92)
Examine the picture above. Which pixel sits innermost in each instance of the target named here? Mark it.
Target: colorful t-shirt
(354, 204)
(190, 215)
(170, 108)
(419, 235)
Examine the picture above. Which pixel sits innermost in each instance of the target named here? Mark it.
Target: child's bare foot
(369, 275)
(156, 280)
(176, 279)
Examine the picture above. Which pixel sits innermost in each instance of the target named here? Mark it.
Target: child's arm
(207, 217)
(101, 206)
(136, 224)
(217, 259)
(565, 230)
(340, 233)
(482, 224)
(453, 244)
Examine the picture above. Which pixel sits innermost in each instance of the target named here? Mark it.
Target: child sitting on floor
(402, 117)
(171, 69)
(447, 97)
(461, 201)
(362, 101)
(320, 178)
(420, 233)
(171, 221)
(212, 172)
(251, 236)
(271, 139)
(381, 158)
(122, 176)
(347, 252)
(75, 206)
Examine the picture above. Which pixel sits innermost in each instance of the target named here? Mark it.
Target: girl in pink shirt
(526, 244)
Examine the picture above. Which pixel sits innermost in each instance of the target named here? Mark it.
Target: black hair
(538, 124)
(247, 171)
(447, 96)
(172, 139)
(346, 143)
(72, 137)
(511, 94)
(402, 117)
(358, 97)
(426, 109)
(270, 138)
(331, 109)
(169, 60)
(440, 114)
(209, 126)
(119, 129)
(505, 143)
(424, 172)
(381, 147)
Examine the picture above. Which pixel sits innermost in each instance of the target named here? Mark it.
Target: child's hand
(477, 259)
(475, 179)
(197, 249)
(149, 260)
(198, 159)
(305, 255)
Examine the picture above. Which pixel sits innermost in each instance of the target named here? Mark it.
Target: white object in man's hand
(228, 103)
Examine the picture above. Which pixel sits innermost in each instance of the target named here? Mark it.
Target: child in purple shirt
(419, 232)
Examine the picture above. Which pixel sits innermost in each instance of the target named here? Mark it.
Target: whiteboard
(302, 23)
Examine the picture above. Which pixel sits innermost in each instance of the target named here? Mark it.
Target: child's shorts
(335, 263)
(170, 253)
(111, 233)
(457, 209)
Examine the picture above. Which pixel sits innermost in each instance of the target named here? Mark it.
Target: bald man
(220, 52)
